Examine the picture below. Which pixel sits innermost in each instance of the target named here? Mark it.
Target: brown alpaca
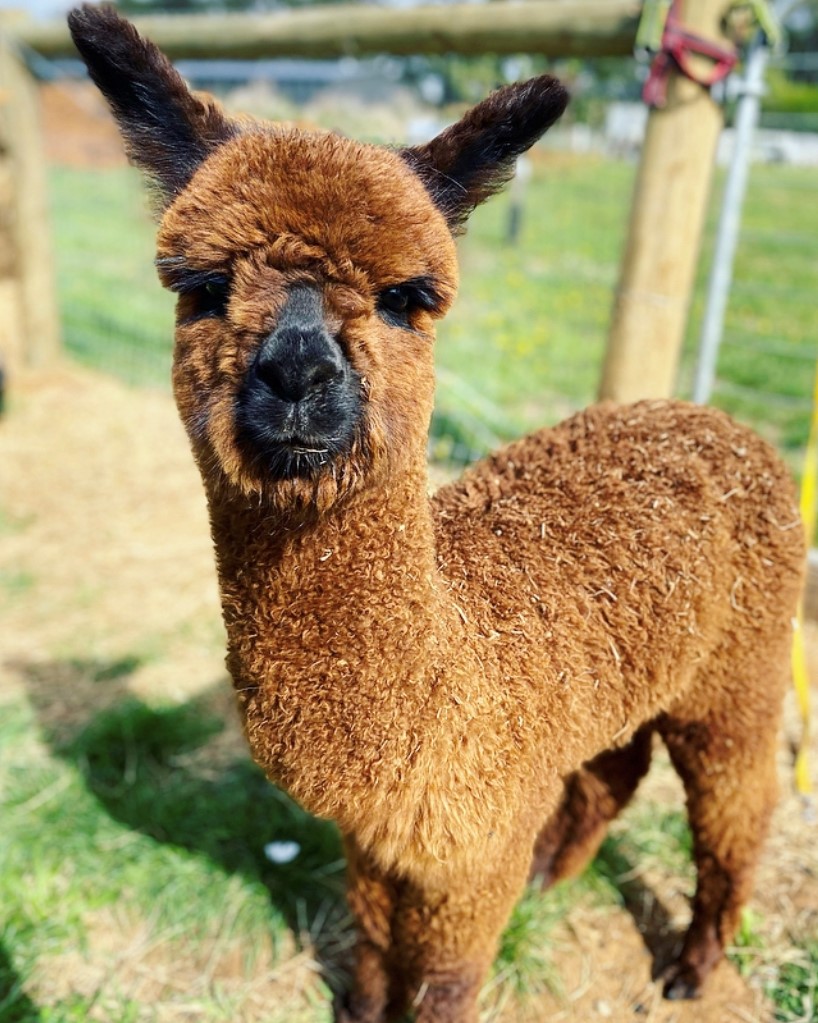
(468, 686)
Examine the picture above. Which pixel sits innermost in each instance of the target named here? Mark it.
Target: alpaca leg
(446, 940)
(372, 898)
(730, 781)
(594, 795)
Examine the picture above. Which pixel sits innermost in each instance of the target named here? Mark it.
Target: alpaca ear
(167, 131)
(475, 157)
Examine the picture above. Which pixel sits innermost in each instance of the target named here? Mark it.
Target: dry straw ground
(106, 527)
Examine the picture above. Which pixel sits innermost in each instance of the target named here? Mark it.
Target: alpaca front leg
(450, 995)
(445, 940)
(372, 897)
(419, 952)
(446, 948)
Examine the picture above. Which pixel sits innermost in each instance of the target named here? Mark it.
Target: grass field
(524, 342)
(115, 316)
(120, 828)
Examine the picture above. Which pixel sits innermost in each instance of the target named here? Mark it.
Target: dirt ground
(104, 539)
(77, 126)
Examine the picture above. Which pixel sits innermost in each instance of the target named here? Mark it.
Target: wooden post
(29, 324)
(667, 215)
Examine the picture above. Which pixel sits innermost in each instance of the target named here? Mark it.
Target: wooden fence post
(29, 323)
(667, 215)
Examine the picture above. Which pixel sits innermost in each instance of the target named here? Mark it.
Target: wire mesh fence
(524, 343)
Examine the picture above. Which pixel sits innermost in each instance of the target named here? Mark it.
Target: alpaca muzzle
(300, 402)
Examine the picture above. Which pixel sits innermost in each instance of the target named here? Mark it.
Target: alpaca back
(605, 558)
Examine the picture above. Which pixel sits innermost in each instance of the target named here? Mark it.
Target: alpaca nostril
(294, 381)
(322, 373)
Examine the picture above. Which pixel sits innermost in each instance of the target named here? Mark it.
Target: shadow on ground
(168, 773)
(15, 1005)
(653, 920)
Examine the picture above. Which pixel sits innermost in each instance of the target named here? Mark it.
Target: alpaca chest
(411, 765)
(332, 727)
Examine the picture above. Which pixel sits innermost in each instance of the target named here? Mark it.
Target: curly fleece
(468, 686)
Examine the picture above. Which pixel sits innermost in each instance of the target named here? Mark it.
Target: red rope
(677, 47)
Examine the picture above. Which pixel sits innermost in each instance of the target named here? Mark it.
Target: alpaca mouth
(293, 460)
(276, 454)
(297, 449)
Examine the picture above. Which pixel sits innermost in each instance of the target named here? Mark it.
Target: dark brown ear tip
(553, 86)
(555, 89)
(95, 24)
(548, 83)
(548, 91)
(91, 16)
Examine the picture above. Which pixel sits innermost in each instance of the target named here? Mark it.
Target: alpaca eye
(395, 300)
(397, 303)
(212, 297)
(202, 297)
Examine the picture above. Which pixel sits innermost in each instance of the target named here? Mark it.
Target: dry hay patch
(173, 980)
(105, 523)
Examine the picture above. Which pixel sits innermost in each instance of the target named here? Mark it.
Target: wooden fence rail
(555, 28)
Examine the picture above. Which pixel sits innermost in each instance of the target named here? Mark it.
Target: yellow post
(809, 508)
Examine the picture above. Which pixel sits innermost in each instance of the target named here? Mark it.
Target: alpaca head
(310, 269)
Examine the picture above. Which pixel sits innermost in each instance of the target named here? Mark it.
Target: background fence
(524, 344)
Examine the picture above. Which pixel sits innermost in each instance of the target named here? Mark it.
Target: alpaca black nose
(301, 400)
(298, 367)
(300, 359)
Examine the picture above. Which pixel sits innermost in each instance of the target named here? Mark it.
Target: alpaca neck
(358, 580)
(338, 632)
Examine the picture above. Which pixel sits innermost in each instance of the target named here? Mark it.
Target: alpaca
(469, 686)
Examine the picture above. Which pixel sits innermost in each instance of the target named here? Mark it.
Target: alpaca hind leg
(730, 782)
(593, 796)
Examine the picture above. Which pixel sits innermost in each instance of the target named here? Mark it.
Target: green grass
(767, 363)
(792, 985)
(115, 316)
(795, 989)
(528, 329)
(128, 813)
(523, 962)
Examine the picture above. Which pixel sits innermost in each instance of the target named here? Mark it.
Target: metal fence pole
(721, 273)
